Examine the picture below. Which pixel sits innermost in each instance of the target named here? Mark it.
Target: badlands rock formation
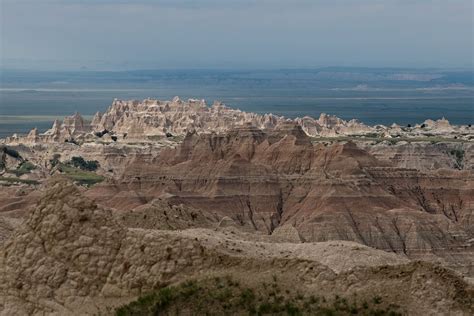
(154, 117)
(330, 125)
(125, 120)
(72, 127)
(172, 191)
(424, 155)
(72, 257)
(263, 181)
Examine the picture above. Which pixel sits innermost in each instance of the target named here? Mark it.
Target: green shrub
(247, 296)
(392, 141)
(377, 300)
(217, 297)
(89, 165)
(24, 168)
(55, 160)
(458, 155)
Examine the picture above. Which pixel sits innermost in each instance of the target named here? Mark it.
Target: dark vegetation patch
(17, 180)
(79, 176)
(24, 168)
(458, 155)
(11, 152)
(102, 133)
(71, 141)
(224, 296)
(88, 165)
(79, 170)
(372, 135)
(55, 160)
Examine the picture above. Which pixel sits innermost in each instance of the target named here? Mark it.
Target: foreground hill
(72, 257)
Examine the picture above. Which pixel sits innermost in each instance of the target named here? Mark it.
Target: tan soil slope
(71, 257)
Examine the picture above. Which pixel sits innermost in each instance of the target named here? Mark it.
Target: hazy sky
(236, 33)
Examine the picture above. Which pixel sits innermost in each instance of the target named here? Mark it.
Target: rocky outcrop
(159, 214)
(154, 117)
(438, 125)
(70, 256)
(332, 126)
(64, 250)
(9, 159)
(72, 129)
(287, 233)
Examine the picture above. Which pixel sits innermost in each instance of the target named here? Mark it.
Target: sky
(140, 34)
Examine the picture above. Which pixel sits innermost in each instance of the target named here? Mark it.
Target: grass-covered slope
(225, 296)
(80, 176)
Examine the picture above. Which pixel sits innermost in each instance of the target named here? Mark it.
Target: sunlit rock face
(330, 126)
(176, 117)
(141, 120)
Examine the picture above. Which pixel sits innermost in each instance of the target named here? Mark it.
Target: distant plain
(31, 99)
